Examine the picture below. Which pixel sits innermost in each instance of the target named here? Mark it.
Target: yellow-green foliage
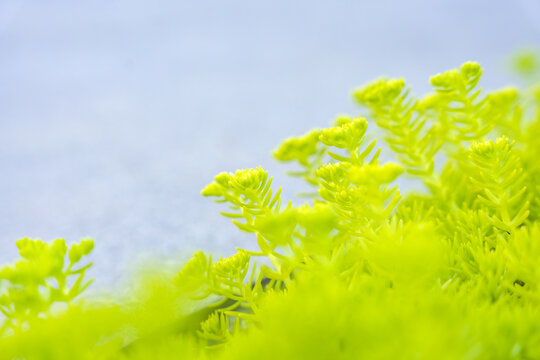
(37, 281)
(361, 270)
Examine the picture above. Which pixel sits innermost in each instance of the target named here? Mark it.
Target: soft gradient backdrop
(114, 114)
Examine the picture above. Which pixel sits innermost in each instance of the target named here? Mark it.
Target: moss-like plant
(361, 270)
(40, 279)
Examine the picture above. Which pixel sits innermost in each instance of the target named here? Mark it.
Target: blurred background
(114, 114)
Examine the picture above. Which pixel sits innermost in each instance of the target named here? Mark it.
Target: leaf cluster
(360, 270)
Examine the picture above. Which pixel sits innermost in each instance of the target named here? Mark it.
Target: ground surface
(114, 114)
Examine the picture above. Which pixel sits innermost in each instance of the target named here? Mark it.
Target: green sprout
(360, 270)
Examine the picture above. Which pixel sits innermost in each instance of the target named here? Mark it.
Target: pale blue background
(114, 114)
